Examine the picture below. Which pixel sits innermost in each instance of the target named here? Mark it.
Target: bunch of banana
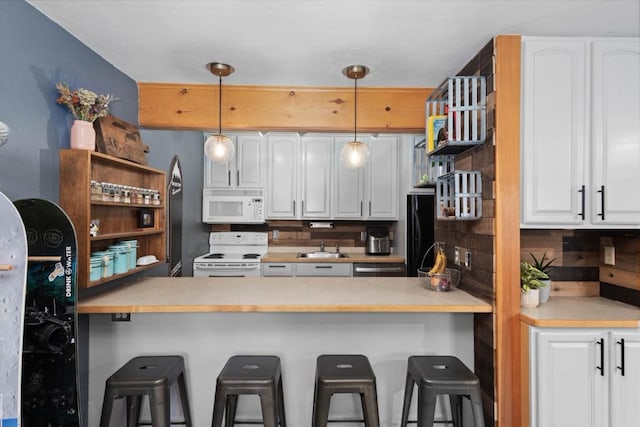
(441, 263)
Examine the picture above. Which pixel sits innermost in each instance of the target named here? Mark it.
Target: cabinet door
(348, 185)
(324, 269)
(217, 175)
(249, 161)
(567, 389)
(554, 146)
(315, 168)
(282, 176)
(624, 373)
(615, 132)
(382, 170)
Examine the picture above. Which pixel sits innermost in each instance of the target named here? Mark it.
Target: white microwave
(233, 206)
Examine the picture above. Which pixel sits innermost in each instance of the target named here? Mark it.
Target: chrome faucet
(322, 246)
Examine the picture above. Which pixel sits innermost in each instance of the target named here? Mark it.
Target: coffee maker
(378, 241)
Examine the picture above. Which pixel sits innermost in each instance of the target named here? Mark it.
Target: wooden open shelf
(117, 220)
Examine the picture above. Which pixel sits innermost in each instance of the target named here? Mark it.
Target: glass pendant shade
(354, 155)
(219, 148)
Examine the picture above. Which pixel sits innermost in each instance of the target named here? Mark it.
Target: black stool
(250, 375)
(436, 375)
(151, 376)
(349, 373)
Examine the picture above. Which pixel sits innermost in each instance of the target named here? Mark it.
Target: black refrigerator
(420, 230)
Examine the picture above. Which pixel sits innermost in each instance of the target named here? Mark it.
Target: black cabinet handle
(276, 266)
(294, 208)
(600, 342)
(369, 207)
(229, 177)
(601, 191)
(238, 177)
(325, 266)
(302, 210)
(621, 343)
(582, 191)
(360, 207)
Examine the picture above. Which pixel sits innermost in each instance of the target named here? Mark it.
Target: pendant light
(219, 148)
(354, 154)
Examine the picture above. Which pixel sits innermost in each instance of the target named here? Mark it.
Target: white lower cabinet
(584, 377)
(307, 269)
(324, 269)
(277, 269)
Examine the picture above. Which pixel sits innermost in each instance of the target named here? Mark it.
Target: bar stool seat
(436, 375)
(259, 375)
(151, 376)
(346, 373)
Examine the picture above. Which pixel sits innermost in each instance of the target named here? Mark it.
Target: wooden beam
(507, 218)
(268, 108)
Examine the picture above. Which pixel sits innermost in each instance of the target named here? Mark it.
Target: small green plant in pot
(544, 264)
(530, 285)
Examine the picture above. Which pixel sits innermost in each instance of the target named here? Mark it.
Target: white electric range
(232, 254)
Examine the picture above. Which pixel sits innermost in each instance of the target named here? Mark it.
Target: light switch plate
(456, 255)
(467, 259)
(610, 255)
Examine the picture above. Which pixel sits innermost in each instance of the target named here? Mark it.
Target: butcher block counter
(280, 294)
(351, 257)
(582, 312)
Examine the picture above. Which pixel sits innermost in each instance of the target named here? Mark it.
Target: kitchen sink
(322, 254)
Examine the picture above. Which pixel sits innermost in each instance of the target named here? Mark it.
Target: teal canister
(120, 258)
(107, 262)
(132, 256)
(95, 273)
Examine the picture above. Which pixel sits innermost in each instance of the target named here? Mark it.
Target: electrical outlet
(121, 317)
(275, 234)
(467, 259)
(610, 255)
(456, 255)
(363, 236)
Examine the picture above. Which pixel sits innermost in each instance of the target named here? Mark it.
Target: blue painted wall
(35, 53)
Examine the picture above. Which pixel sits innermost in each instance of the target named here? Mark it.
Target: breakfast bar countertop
(582, 312)
(280, 294)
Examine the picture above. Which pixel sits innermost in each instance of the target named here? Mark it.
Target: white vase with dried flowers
(86, 107)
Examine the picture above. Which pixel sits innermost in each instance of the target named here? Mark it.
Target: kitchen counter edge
(351, 258)
(582, 312)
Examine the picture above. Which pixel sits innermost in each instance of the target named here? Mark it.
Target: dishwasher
(379, 269)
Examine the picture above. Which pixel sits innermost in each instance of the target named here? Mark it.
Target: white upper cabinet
(282, 176)
(382, 178)
(615, 124)
(244, 170)
(348, 185)
(315, 166)
(370, 193)
(580, 133)
(306, 180)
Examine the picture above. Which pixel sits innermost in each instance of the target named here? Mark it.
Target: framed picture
(145, 218)
(436, 131)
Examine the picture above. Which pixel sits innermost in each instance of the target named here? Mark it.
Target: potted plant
(544, 264)
(530, 285)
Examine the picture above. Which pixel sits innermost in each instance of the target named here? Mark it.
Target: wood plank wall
(479, 236)
(579, 268)
(292, 233)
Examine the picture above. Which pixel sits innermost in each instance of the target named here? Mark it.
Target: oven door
(205, 269)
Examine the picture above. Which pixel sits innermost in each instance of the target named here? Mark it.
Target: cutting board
(118, 138)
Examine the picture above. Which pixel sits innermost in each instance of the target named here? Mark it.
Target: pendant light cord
(220, 106)
(355, 110)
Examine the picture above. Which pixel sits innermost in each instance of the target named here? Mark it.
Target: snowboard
(13, 263)
(50, 386)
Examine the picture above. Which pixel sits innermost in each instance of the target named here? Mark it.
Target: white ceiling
(411, 43)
